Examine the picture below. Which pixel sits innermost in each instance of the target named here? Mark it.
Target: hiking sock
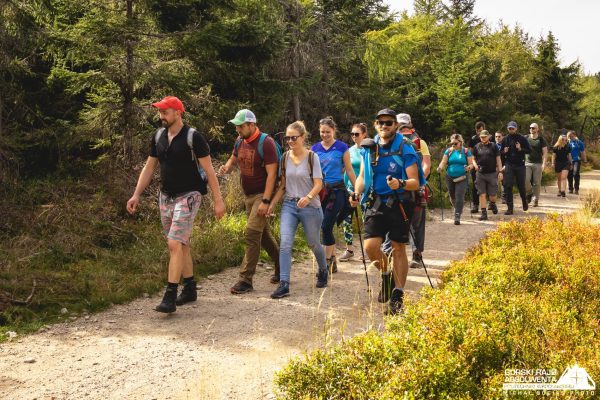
(188, 280)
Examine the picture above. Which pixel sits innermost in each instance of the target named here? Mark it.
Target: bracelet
(266, 201)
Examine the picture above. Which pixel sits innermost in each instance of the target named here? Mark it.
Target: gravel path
(223, 346)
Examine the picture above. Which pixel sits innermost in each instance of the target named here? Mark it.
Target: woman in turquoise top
(359, 132)
(459, 161)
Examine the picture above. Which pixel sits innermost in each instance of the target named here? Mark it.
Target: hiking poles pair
(410, 230)
(362, 248)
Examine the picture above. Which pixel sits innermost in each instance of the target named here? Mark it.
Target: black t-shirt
(485, 156)
(474, 141)
(513, 156)
(178, 169)
(562, 154)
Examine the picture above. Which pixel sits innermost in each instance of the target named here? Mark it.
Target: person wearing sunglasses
(561, 161)
(534, 164)
(301, 181)
(389, 175)
(514, 147)
(335, 160)
(358, 134)
(459, 161)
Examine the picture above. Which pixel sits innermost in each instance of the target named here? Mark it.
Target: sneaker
(282, 290)
(274, 278)
(332, 265)
(475, 209)
(535, 201)
(347, 256)
(508, 212)
(494, 208)
(241, 287)
(396, 300)
(322, 278)
(570, 191)
(576, 191)
(188, 293)
(168, 302)
(525, 206)
(456, 219)
(483, 216)
(416, 260)
(387, 285)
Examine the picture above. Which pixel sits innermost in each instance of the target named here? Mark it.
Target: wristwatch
(310, 196)
(266, 201)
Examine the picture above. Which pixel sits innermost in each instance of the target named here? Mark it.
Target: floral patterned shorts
(177, 215)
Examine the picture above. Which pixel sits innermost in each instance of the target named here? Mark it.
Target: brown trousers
(257, 235)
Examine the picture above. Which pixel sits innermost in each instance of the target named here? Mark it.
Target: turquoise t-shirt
(355, 158)
(457, 162)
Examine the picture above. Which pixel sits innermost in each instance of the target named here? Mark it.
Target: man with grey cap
(534, 164)
(256, 155)
(514, 147)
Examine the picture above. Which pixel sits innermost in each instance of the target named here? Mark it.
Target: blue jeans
(311, 219)
(330, 215)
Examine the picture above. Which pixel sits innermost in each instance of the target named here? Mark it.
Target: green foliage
(517, 300)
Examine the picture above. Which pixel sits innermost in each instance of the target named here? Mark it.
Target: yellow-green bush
(528, 296)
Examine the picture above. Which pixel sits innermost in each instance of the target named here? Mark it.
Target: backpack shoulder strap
(190, 142)
(310, 163)
(284, 158)
(261, 142)
(158, 134)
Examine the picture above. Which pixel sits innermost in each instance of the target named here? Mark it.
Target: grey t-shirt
(297, 179)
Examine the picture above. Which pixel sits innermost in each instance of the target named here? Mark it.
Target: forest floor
(225, 346)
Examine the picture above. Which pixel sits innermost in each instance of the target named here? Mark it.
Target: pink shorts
(177, 215)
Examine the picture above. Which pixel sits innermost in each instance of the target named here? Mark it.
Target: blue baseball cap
(511, 124)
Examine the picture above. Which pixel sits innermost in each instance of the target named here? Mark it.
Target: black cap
(386, 111)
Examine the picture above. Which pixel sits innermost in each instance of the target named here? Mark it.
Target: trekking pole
(441, 195)
(469, 196)
(362, 249)
(412, 234)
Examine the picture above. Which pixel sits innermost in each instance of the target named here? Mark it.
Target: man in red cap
(184, 156)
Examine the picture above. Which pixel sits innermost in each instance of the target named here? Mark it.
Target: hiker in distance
(358, 133)
(514, 147)
(498, 136)
(577, 155)
(389, 174)
(561, 161)
(257, 156)
(185, 171)
(535, 163)
(475, 139)
(486, 161)
(335, 160)
(459, 161)
(301, 182)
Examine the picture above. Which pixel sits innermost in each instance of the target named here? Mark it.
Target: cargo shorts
(177, 215)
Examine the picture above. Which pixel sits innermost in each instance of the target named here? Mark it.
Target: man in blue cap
(514, 147)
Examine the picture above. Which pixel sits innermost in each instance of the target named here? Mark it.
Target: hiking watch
(266, 201)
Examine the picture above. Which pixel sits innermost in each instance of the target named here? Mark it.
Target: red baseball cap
(170, 102)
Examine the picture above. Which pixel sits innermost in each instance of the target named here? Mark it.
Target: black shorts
(561, 166)
(380, 222)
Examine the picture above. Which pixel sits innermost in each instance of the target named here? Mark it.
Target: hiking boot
(347, 256)
(509, 212)
(332, 264)
(525, 206)
(535, 201)
(576, 191)
(416, 260)
(322, 278)
(241, 287)
(168, 302)
(475, 209)
(282, 290)
(494, 208)
(563, 194)
(456, 219)
(529, 197)
(387, 285)
(570, 191)
(483, 216)
(188, 293)
(396, 300)
(274, 278)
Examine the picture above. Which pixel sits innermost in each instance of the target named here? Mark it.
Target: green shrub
(528, 296)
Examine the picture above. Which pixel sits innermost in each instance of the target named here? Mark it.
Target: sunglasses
(455, 143)
(355, 134)
(291, 138)
(532, 127)
(386, 123)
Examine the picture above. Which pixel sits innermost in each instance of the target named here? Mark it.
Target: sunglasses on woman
(291, 138)
(355, 134)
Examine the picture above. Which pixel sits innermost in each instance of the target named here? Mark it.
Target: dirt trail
(223, 346)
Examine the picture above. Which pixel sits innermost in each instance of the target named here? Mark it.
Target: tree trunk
(296, 78)
(128, 91)
(1, 115)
